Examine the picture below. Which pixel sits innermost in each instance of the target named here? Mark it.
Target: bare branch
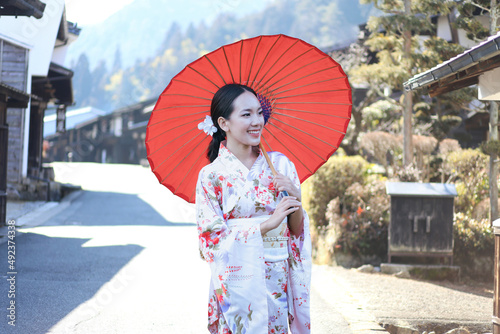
(478, 5)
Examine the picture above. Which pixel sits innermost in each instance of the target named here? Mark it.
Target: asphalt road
(122, 258)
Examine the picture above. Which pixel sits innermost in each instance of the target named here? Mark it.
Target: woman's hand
(283, 183)
(285, 207)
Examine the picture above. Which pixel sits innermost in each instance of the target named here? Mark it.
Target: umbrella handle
(263, 150)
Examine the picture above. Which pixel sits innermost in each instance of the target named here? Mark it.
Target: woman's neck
(246, 154)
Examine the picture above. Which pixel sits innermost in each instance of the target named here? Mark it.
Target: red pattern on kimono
(226, 189)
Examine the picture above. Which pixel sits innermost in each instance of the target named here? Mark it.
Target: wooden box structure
(421, 221)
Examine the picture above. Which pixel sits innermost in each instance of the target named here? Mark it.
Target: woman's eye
(246, 114)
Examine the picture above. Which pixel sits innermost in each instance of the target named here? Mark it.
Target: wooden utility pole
(408, 98)
(494, 14)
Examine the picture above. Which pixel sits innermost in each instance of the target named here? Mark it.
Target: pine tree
(406, 44)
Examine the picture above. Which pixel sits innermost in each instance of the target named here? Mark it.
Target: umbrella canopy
(305, 95)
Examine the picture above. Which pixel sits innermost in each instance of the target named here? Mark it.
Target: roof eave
(474, 56)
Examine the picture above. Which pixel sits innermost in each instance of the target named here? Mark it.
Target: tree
(82, 80)
(402, 51)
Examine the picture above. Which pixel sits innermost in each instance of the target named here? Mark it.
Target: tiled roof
(480, 52)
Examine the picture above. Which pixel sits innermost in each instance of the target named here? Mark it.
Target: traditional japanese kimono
(256, 283)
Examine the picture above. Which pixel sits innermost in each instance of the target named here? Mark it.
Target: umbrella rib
(296, 70)
(282, 54)
(253, 59)
(191, 84)
(189, 171)
(296, 158)
(180, 116)
(308, 112)
(305, 120)
(310, 135)
(187, 95)
(174, 107)
(310, 149)
(241, 57)
(216, 69)
(189, 66)
(170, 129)
(163, 147)
(227, 62)
(319, 92)
(309, 84)
(268, 52)
(303, 102)
(181, 160)
(286, 65)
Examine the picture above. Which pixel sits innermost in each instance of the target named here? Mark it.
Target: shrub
(379, 144)
(474, 246)
(357, 225)
(448, 145)
(364, 220)
(331, 181)
(408, 173)
(468, 170)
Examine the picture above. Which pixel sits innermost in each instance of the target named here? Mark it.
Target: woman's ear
(223, 123)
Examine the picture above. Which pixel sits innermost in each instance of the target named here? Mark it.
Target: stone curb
(41, 214)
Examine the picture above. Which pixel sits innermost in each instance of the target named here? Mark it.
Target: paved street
(122, 258)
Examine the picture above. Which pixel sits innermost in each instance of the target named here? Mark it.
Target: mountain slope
(139, 28)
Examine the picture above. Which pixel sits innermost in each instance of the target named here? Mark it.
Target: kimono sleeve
(300, 246)
(235, 256)
(299, 249)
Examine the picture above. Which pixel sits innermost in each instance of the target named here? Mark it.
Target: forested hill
(109, 75)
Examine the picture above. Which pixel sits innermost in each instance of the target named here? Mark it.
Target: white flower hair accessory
(208, 126)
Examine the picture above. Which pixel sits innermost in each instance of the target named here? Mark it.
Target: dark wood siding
(421, 224)
(13, 72)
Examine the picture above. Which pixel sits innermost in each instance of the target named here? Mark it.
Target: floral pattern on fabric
(226, 189)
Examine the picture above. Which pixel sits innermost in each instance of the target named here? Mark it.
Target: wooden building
(480, 65)
(32, 76)
(117, 137)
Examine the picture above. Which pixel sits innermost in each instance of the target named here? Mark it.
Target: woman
(256, 241)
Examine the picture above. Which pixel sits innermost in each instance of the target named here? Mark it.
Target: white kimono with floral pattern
(226, 189)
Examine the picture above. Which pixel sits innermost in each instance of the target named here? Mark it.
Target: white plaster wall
(38, 35)
(489, 85)
(443, 28)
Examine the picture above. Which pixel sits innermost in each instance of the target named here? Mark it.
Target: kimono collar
(231, 161)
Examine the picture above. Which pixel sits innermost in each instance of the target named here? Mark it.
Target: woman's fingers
(284, 183)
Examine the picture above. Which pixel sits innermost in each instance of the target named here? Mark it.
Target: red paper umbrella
(304, 93)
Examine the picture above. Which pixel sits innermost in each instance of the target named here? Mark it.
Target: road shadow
(113, 209)
(54, 276)
(57, 273)
(481, 289)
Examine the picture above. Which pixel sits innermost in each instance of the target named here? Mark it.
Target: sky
(84, 11)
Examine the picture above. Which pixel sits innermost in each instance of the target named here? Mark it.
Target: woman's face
(245, 123)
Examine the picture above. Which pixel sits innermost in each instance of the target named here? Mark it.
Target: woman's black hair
(222, 106)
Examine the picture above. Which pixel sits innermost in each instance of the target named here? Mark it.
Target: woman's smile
(244, 126)
(254, 133)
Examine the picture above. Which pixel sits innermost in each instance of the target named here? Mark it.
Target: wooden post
(4, 138)
(408, 103)
(493, 165)
(496, 297)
